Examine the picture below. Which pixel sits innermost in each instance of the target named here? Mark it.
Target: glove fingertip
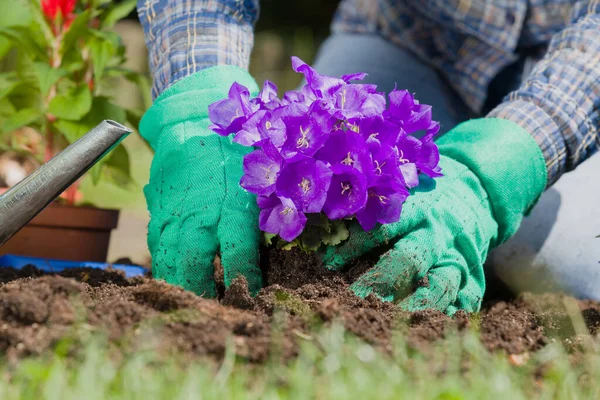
(242, 259)
(333, 259)
(363, 291)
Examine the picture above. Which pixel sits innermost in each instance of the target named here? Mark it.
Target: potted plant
(59, 60)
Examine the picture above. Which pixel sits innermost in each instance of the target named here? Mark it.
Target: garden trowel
(28, 198)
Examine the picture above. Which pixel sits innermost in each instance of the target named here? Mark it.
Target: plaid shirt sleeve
(186, 36)
(559, 102)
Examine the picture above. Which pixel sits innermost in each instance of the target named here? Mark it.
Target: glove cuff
(507, 161)
(189, 98)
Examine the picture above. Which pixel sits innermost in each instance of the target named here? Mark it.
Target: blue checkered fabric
(468, 41)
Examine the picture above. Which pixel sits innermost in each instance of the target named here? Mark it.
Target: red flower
(51, 8)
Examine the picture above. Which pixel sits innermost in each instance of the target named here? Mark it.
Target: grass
(331, 365)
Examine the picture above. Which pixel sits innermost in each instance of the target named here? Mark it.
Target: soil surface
(39, 311)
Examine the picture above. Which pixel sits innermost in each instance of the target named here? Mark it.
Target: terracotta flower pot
(67, 233)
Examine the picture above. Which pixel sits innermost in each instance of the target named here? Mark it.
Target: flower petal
(320, 85)
(410, 175)
(384, 204)
(377, 131)
(282, 219)
(260, 173)
(401, 105)
(306, 132)
(249, 134)
(420, 119)
(358, 76)
(357, 101)
(386, 162)
(229, 114)
(429, 157)
(347, 148)
(306, 183)
(347, 193)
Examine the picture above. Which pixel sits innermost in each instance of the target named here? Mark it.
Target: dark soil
(37, 311)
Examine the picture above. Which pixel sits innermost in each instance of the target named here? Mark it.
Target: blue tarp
(49, 265)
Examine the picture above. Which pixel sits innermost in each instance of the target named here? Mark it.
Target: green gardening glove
(197, 207)
(494, 172)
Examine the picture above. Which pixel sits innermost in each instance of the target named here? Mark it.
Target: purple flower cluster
(333, 147)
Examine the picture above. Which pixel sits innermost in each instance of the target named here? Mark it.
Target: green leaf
(319, 220)
(21, 118)
(114, 168)
(42, 27)
(73, 104)
(74, 66)
(96, 172)
(117, 169)
(12, 13)
(268, 238)
(141, 80)
(8, 81)
(117, 13)
(321, 231)
(339, 232)
(47, 76)
(25, 68)
(100, 50)
(100, 3)
(101, 109)
(24, 39)
(6, 108)
(77, 31)
(283, 245)
(134, 117)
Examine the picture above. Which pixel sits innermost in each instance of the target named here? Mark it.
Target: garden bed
(37, 311)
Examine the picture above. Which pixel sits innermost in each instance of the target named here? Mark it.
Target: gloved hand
(494, 172)
(197, 207)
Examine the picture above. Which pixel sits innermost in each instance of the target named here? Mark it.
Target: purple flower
(229, 114)
(306, 183)
(406, 110)
(260, 126)
(384, 203)
(347, 193)
(401, 105)
(267, 98)
(377, 131)
(386, 162)
(261, 171)
(433, 128)
(330, 147)
(307, 130)
(346, 148)
(408, 155)
(358, 76)
(410, 175)
(280, 216)
(269, 93)
(356, 101)
(419, 119)
(304, 96)
(423, 153)
(409, 149)
(429, 157)
(322, 86)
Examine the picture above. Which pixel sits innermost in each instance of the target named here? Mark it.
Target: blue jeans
(556, 246)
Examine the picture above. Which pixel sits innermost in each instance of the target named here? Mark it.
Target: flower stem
(49, 153)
